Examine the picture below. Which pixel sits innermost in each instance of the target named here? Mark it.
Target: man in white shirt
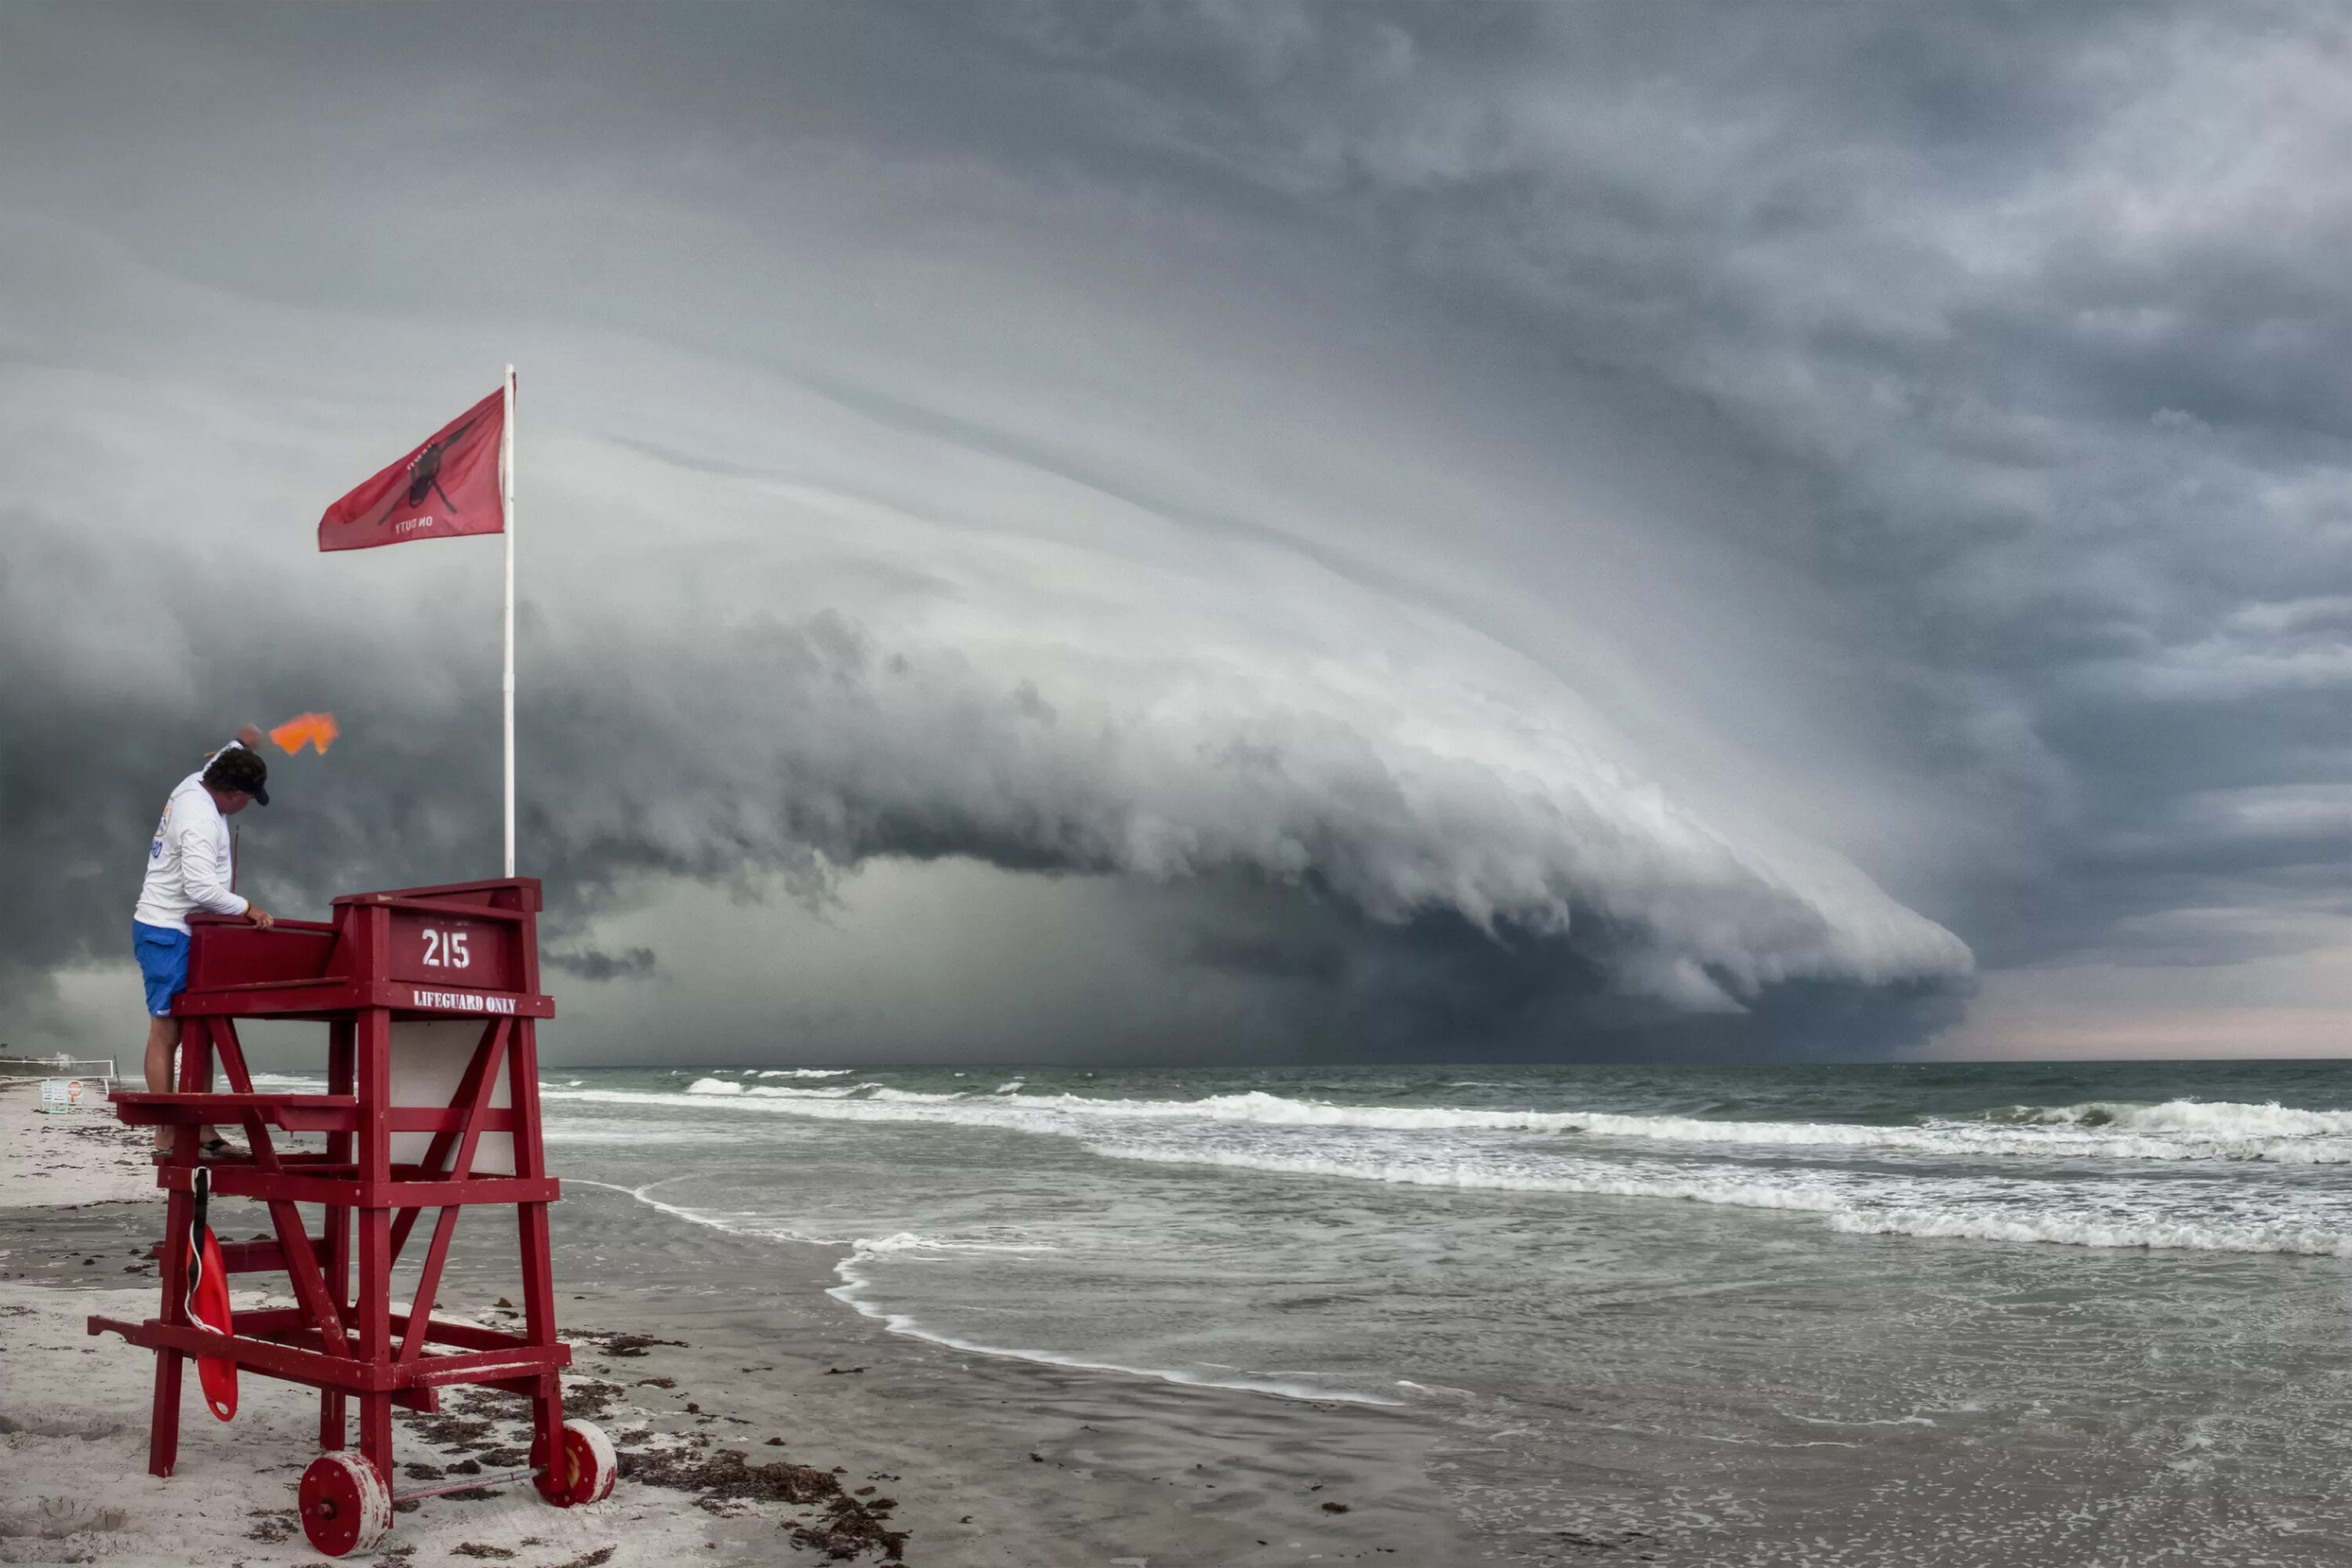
(188, 869)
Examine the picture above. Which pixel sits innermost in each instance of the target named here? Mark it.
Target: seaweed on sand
(850, 1526)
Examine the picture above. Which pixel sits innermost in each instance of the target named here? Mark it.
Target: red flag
(447, 487)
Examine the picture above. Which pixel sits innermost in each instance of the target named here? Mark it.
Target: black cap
(240, 768)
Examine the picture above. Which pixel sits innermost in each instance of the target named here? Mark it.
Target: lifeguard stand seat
(431, 1000)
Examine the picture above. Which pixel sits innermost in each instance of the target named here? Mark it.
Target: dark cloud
(595, 964)
(1477, 518)
(1395, 899)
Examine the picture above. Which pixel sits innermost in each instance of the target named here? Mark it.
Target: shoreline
(689, 1349)
(847, 1286)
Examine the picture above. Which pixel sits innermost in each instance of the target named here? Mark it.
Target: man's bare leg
(162, 1042)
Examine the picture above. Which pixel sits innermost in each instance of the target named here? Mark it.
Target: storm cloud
(1479, 530)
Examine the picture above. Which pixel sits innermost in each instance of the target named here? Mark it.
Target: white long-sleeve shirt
(188, 865)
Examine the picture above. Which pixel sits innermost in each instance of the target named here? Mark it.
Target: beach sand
(979, 1460)
(50, 1162)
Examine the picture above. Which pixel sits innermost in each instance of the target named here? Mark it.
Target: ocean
(2064, 1313)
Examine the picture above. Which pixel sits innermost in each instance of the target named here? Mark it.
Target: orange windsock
(319, 728)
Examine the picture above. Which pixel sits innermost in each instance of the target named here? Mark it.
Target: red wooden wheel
(586, 1472)
(346, 1507)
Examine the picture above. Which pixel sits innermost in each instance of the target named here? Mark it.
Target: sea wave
(2174, 1131)
(1970, 1209)
(2154, 1235)
(2213, 1119)
(1766, 1194)
(720, 1087)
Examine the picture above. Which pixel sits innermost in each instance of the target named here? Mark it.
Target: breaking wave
(1477, 1176)
(2173, 1130)
(720, 1086)
(2217, 1119)
(1961, 1208)
(2278, 1236)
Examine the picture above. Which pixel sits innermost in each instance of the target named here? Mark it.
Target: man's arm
(201, 872)
(247, 735)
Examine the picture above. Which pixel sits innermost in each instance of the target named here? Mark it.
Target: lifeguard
(189, 868)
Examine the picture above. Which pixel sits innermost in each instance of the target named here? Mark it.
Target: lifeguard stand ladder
(430, 999)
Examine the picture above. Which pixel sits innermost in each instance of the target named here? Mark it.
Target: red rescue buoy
(208, 1302)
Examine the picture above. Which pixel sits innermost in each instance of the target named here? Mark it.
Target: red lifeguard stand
(431, 1000)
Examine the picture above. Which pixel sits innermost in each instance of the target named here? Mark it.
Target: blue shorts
(163, 963)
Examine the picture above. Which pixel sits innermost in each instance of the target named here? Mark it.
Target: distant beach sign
(61, 1095)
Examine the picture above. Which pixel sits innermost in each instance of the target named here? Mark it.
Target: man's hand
(249, 736)
(260, 916)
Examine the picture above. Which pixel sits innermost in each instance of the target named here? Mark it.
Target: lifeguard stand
(431, 1000)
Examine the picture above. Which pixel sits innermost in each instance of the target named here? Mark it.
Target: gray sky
(1219, 531)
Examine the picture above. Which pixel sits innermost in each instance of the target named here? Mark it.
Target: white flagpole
(507, 442)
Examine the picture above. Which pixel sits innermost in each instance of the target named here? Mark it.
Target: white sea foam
(2215, 1118)
(2093, 1212)
(907, 1241)
(839, 1091)
(2227, 1136)
(733, 1225)
(2280, 1235)
(807, 1072)
(2179, 1130)
(856, 1272)
(1590, 1177)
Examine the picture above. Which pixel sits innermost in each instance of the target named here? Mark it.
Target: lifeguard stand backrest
(232, 953)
